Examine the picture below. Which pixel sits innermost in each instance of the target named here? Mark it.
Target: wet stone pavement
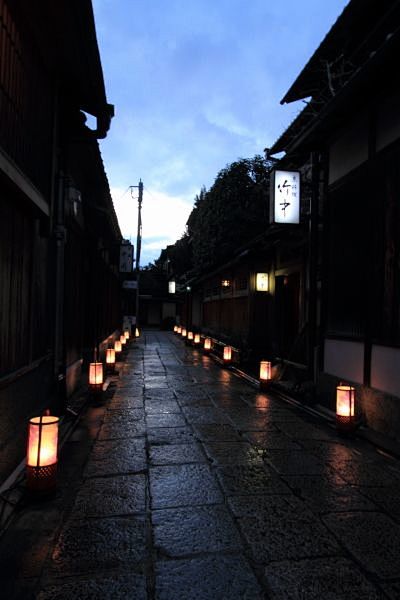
(184, 483)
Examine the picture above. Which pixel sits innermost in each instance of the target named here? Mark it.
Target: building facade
(59, 236)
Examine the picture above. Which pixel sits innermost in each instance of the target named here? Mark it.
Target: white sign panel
(285, 200)
(126, 258)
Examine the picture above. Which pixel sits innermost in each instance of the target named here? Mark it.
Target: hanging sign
(285, 197)
(126, 258)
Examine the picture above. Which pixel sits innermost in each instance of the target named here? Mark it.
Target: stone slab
(112, 457)
(371, 537)
(329, 579)
(171, 435)
(277, 530)
(230, 453)
(96, 545)
(116, 587)
(111, 496)
(249, 480)
(175, 454)
(195, 530)
(165, 420)
(214, 577)
(183, 485)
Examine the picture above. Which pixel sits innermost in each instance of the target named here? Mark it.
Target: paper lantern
(227, 355)
(96, 376)
(196, 339)
(41, 459)
(110, 359)
(265, 373)
(207, 344)
(117, 347)
(345, 407)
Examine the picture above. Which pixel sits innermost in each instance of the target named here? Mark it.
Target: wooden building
(350, 133)
(59, 236)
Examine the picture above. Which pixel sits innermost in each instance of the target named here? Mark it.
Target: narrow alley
(184, 482)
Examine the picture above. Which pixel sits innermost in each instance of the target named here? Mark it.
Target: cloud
(163, 219)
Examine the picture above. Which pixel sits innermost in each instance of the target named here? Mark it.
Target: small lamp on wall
(262, 282)
(345, 408)
(41, 459)
(227, 355)
(265, 374)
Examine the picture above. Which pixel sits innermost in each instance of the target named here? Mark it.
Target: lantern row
(346, 421)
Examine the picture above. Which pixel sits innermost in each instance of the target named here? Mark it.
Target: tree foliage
(232, 212)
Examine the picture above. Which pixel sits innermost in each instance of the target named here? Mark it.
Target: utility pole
(138, 247)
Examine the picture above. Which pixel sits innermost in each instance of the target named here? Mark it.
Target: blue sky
(196, 84)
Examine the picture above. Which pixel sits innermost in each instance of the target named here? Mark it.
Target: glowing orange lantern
(207, 344)
(227, 355)
(345, 407)
(137, 333)
(175, 328)
(96, 376)
(127, 334)
(265, 373)
(197, 339)
(117, 347)
(190, 336)
(184, 332)
(122, 339)
(41, 459)
(110, 359)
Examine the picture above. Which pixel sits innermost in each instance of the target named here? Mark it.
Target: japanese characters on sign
(285, 197)
(126, 257)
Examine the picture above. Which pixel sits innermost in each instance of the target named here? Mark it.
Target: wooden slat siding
(75, 286)
(40, 314)
(5, 278)
(26, 103)
(16, 237)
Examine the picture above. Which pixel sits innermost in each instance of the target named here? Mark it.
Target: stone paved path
(184, 483)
